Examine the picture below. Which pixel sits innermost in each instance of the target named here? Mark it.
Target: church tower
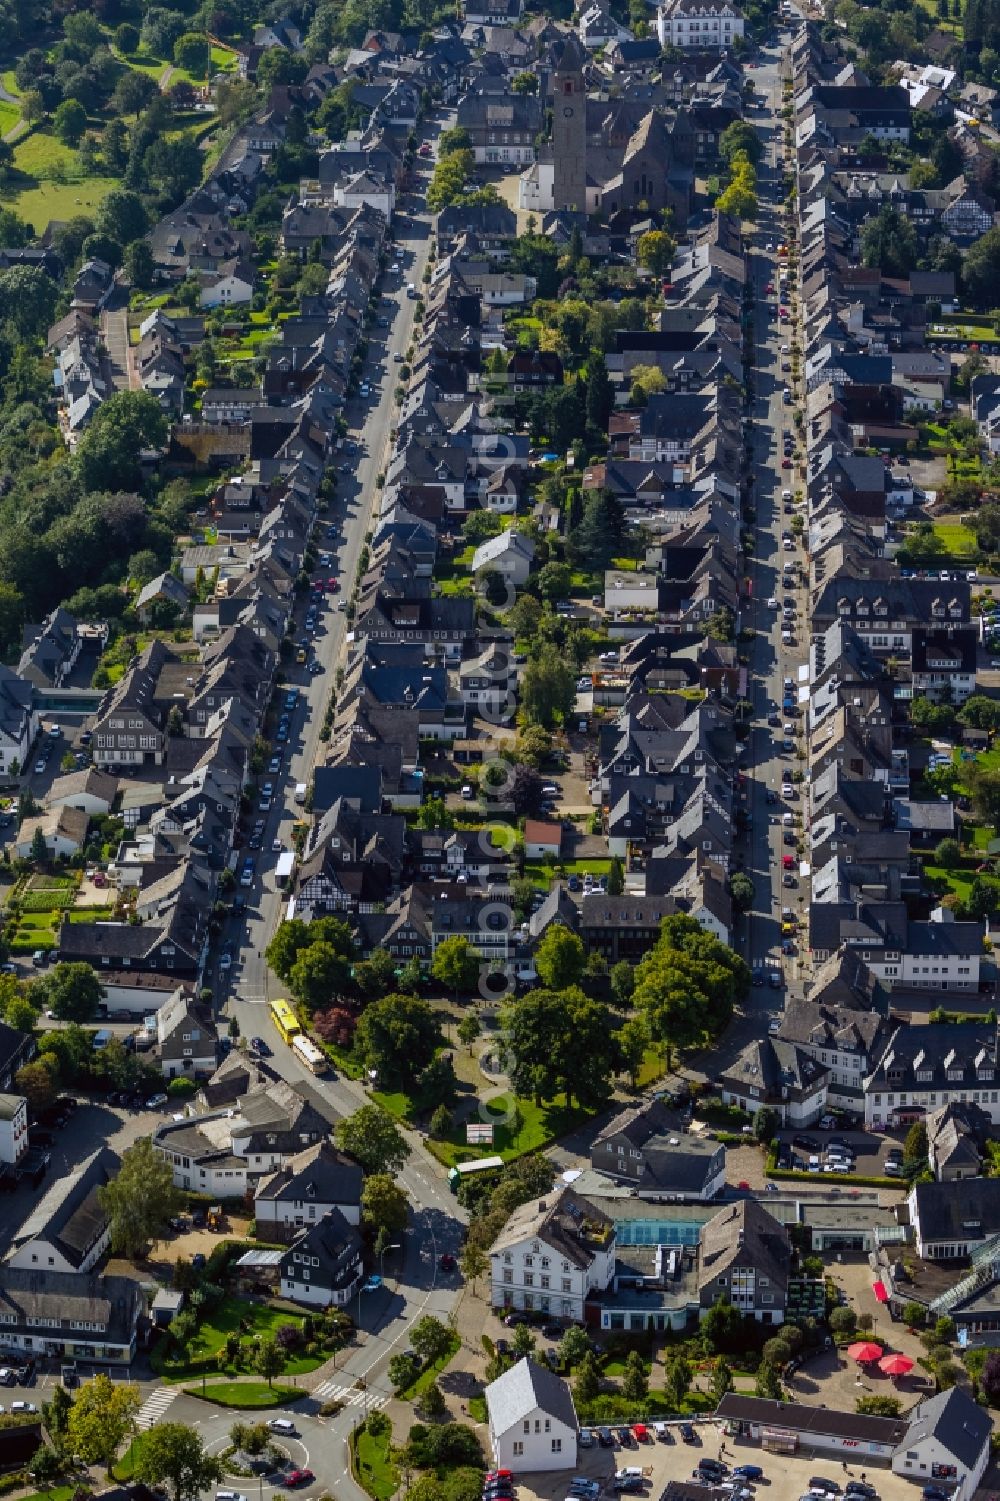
(569, 126)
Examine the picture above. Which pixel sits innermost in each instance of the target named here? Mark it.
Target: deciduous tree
(140, 1199)
(383, 1204)
(397, 1037)
(456, 964)
(654, 251)
(172, 1454)
(372, 1138)
(430, 1338)
(560, 957)
(101, 1418)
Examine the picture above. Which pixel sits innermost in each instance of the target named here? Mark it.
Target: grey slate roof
(951, 1417)
(523, 1389)
(70, 1214)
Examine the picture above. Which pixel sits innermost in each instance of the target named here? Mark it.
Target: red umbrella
(864, 1352)
(896, 1365)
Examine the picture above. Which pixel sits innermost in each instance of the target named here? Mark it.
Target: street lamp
(395, 1246)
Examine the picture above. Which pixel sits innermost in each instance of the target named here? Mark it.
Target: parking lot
(786, 1477)
(816, 1151)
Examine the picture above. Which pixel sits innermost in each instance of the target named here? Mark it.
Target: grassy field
(42, 156)
(651, 1068)
(10, 114)
(246, 1394)
(143, 62)
(373, 1464)
(59, 200)
(960, 540)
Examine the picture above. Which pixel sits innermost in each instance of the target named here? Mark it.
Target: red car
(498, 1475)
(788, 861)
(786, 463)
(769, 287)
(299, 1477)
(333, 585)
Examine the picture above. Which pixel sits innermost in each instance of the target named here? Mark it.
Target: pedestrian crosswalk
(351, 1396)
(155, 1406)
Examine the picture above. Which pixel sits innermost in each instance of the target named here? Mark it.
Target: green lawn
(47, 901)
(60, 200)
(531, 1128)
(41, 155)
(92, 914)
(143, 62)
(542, 875)
(960, 540)
(246, 1394)
(227, 1319)
(958, 881)
(57, 1493)
(651, 1068)
(373, 1464)
(124, 1470)
(9, 116)
(430, 1374)
(223, 60)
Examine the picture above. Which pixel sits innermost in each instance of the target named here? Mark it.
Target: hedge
(848, 1180)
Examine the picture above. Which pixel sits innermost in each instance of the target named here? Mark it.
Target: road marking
(155, 1406)
(350, 1395)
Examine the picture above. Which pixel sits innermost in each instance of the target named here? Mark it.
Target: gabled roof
(740, 1231)
(319, 1175)
(525, 1389)
(958, 1423)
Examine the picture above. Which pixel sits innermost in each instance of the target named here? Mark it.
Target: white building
(227, 288)
(536, 190)
(551, 1254)
(631, 591)
(532, 1420)
(947, 1442)
(18, 721)
(939, 955)
(323, 1265)
(510, 554)
(701, 25)
(68, 1230)
(920, 1071)
(13, 1126)
(847, 1041)
(310, 1186)
(363, 188)
(222, 1152)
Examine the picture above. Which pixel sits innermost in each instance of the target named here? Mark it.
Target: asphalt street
(413, 1284)
(772, 661)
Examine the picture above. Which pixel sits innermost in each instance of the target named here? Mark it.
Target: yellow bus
(284, 1019)
(308, 1053)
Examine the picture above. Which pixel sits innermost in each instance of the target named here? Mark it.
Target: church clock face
(568, 111)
